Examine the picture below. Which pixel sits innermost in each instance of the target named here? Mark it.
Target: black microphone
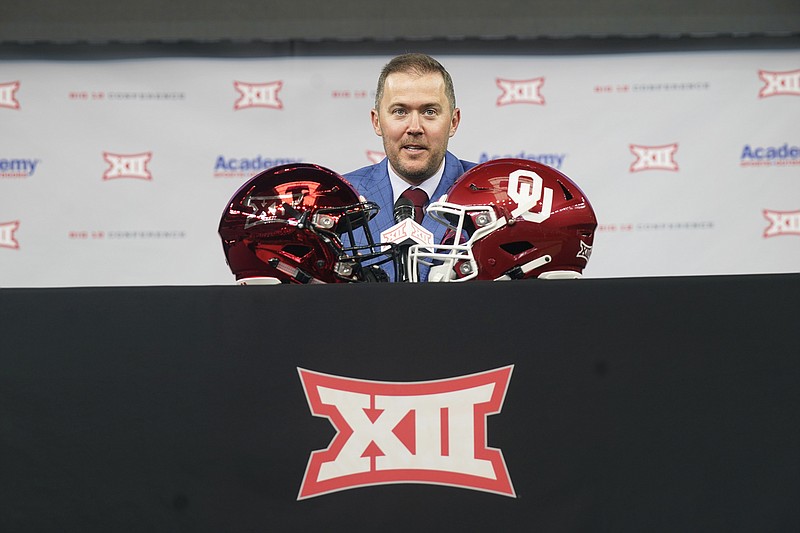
(403, 209)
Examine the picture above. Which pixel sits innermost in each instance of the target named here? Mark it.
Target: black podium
(652, 404)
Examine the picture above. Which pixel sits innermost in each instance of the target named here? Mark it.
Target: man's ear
(376, 122)
(455, 121)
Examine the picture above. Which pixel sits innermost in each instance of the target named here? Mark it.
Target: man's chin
(415, 174)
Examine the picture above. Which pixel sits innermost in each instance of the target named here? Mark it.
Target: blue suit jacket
(373, 183)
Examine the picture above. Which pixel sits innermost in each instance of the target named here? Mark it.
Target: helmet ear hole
(297, 250)
(517, 247)
(567, 195)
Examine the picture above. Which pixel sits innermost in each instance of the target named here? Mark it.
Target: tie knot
(419, 198)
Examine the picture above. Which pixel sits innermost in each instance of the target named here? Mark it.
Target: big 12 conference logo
(654, 157)
(520, 91)
(258, 95)
(7, 95)
(7, 239)
(779, 83)
(782, 223)
(431, 432)
(127, 166)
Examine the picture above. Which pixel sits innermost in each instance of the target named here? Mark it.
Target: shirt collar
(429, 185)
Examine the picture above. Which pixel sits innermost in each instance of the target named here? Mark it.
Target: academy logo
(654, 157)
(8, 95)
(554, 160)
(782, 223)
(520, 91)
(7, 239)
(779, 83)
(783, 155)
(127, 166)
(430, 432)
(258, 95)
(18, 167)
(237, 167)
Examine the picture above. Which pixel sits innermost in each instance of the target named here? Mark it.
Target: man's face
(415, 121)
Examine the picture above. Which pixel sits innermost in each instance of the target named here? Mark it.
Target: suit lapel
(378, 189)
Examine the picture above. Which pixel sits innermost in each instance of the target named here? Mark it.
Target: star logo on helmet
(585, 251)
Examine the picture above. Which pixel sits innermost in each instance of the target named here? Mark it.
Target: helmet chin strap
(519, 272)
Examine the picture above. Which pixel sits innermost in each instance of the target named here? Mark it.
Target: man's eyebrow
(423, 106)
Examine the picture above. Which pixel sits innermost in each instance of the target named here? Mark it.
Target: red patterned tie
(419, 198)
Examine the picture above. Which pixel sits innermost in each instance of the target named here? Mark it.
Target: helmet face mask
(299, 224)
(510, 219)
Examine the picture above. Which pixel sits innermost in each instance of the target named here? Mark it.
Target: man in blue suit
(415, 114)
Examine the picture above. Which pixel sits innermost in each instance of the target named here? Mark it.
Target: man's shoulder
(361, 172)
(467, 164)
(459, 165)
(361, 175)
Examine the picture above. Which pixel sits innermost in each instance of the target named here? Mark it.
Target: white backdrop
(117, 172)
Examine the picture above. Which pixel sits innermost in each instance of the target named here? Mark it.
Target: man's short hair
(419, 64)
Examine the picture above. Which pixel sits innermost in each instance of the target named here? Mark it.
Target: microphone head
(403, 209)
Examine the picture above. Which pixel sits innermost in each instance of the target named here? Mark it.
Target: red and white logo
(258, 95)
(375, 157)
(7, 239)
(779, 83)
(127, 166)
(527, 189)
(8, 95)
(407, 229)
(782, 223)
(430, 432)
(585, 252)
(654, 157)
(265, 209)
(520, 91)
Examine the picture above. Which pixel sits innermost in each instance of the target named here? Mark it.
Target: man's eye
(430, 112)
(399, 112)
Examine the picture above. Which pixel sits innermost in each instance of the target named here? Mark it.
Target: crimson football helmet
(290, 223)
(510, 219)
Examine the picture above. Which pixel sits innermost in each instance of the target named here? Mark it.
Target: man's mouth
(414, 148)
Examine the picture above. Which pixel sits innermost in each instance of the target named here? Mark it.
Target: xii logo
(7, 95)
(127, 166)
(431, 432)
(258, 95)
(520, 91)
(654, 157)
(7, 239)
(779, 83)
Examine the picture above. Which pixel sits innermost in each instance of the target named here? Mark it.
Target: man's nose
(414, 123)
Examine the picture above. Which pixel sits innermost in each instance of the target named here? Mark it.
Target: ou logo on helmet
(526, 187)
